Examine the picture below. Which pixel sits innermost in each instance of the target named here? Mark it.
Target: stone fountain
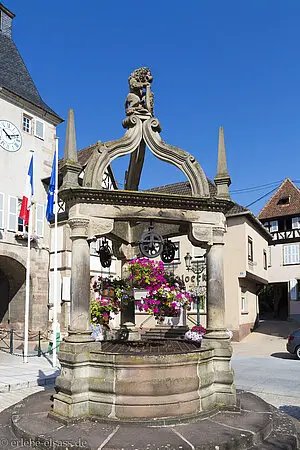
(136, 381)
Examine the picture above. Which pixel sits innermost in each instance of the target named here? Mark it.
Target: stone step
(165, 333)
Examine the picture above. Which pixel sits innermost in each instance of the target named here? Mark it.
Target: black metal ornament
(105, 254)
(151, 244)
(168, 251)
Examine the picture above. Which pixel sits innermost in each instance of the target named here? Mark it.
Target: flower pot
(108, 292)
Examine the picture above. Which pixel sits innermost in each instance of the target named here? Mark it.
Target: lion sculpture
(140, 98)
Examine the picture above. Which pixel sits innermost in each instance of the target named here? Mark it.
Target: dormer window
(283, 201)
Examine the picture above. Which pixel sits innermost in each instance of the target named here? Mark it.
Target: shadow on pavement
(283, 355)
(280, 328)
(44, 379)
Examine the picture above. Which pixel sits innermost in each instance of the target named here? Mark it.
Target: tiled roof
(82, 155)
(15, 77)
(277, 206)
(182, 188)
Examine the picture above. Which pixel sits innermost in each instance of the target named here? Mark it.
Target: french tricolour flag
(28, 193)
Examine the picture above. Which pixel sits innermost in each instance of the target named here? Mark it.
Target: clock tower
(27, 124)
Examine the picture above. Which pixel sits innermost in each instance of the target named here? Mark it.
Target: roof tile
(15, 77)
(272, 209)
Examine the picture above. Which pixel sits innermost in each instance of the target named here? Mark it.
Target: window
(284, 200)
(265, 262)
(244, 303)
(295, 223)
(273, 226)
(94, 247)
(291, 254)
(39, 220)
(250, 249)
(27, 124)
(39, 129)
(12, 221)
(269, 256)
(177, 251)
(0, 20)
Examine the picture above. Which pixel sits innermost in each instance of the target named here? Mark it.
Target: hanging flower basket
(112, 295)
(165, 294)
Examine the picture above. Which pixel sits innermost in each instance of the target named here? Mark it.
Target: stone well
(138, 380)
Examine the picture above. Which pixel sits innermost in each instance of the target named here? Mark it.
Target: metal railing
(10, 338)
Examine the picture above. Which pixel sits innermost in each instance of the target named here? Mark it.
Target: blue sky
(215, 63)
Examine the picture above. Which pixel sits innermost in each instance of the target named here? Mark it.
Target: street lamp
(197, 267)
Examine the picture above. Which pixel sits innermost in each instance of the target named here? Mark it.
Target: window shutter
(40, 220)
(1, 210)
(295, 222)
(269, 256)
(12, 213)
(39, 129)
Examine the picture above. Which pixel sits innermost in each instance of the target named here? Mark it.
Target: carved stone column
(79, 329)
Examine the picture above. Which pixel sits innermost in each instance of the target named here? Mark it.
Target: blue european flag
(50, 201)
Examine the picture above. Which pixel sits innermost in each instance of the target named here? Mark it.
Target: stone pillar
(79, 330)
(215, 287)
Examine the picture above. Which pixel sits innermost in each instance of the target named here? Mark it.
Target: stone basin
(141, 380)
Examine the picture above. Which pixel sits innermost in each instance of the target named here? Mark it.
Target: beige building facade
(27, 126)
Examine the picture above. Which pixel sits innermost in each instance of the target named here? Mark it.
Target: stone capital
(99, 227)
(201, 235)
(79, 227)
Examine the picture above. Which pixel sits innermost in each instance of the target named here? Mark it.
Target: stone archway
(12, 290)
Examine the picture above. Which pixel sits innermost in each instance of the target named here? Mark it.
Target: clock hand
(6, 133)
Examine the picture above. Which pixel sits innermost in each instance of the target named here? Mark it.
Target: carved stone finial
(71, 168)
(222, 178)
(140, 98)
(70, 144)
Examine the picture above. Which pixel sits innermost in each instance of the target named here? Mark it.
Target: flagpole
(54, 325)
(27, 293)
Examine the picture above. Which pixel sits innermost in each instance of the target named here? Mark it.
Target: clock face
(10, 136)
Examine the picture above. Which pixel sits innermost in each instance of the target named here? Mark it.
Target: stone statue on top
(140, 98)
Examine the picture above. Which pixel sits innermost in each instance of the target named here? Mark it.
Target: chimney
(6, 17)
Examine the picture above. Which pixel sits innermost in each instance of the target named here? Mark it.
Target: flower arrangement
(195, 334)
(146, 272)
(166, 294)
(113, 293)
(102, 308)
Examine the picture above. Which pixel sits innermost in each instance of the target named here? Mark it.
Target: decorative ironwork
(105, 254)
(150, 347)
(168, 252)
(151, 243)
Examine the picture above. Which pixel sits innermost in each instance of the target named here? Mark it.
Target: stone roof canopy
(285, 202)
